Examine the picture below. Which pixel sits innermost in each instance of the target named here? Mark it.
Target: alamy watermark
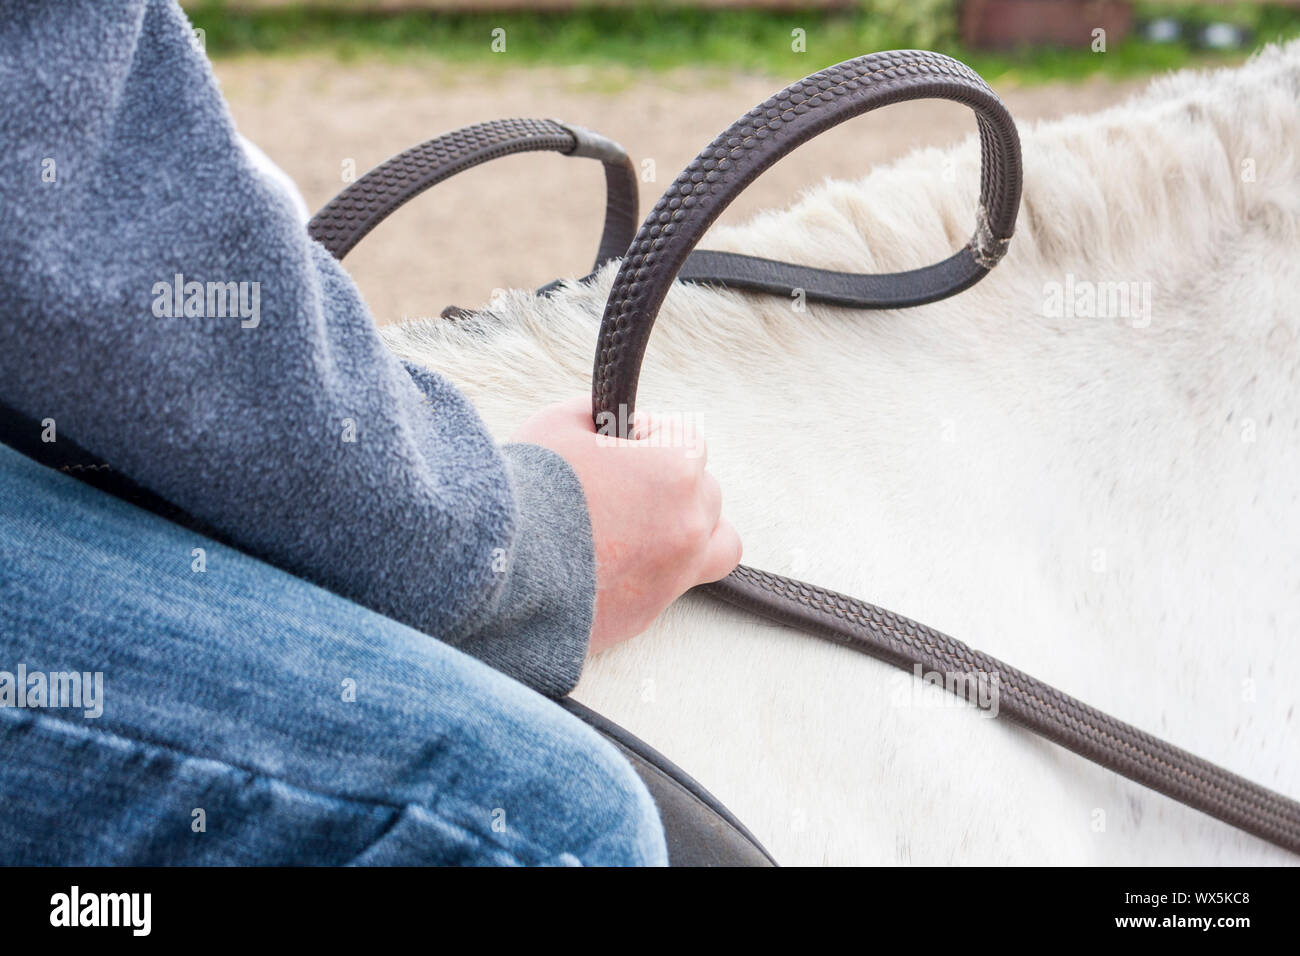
(979, 688)
(63, 690)
(208, 300)
(1077, 298)
(668, 430)
(133, 911)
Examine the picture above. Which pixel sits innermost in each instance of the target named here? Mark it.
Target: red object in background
(1000, 24)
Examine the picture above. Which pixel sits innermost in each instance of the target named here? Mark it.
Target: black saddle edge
(700, 831)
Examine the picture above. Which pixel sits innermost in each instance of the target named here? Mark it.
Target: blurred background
(330, 89)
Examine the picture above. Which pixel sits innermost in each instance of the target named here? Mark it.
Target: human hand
(656, 514)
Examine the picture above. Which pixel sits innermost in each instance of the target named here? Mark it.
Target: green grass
(666, 38)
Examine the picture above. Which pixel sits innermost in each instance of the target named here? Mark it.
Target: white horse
(1085, 465)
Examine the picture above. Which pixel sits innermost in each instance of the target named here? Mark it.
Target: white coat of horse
(1087, 465)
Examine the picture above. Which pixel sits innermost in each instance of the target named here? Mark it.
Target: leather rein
(663, 250)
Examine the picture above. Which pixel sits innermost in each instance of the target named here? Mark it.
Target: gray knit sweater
(164, 309)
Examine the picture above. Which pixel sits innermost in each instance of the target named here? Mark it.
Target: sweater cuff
(538, 630)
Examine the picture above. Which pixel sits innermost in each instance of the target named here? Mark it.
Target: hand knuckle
(686, 475)
(695, 529)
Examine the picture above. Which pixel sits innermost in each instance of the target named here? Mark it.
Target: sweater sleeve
(166, 310)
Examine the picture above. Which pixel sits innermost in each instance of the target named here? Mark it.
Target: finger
(579, 408)
(722, 554)
(672, 431)
(686, 437)
(646, 425)
(696, 449)
(711, 500)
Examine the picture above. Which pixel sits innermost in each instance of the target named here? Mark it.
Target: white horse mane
(1103, 498)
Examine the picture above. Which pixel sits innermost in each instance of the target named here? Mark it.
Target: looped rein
(760, 138)
(684, 213)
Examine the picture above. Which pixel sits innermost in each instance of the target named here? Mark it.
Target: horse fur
(1109, 504)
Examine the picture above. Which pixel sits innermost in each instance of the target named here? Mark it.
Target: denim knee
(248, 716)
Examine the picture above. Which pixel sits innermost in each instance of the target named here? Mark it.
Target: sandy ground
(524, 220)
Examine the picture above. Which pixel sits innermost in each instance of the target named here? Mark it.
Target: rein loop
(756, 141)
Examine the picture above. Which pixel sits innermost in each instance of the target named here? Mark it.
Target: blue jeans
(224, 712)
